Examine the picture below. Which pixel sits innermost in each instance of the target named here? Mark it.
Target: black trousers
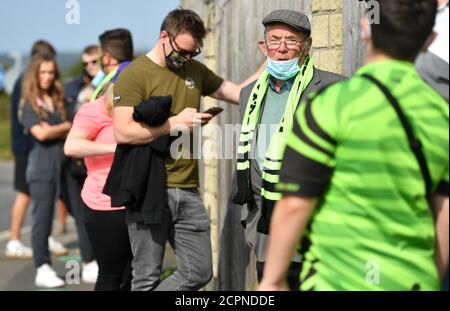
(108, 234)
(293, 277)
(70, 193)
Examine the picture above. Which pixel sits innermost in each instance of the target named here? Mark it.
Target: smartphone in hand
(214, 111)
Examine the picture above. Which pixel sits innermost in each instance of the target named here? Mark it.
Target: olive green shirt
(143, 79)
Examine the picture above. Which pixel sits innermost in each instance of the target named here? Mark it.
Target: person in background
(366, 171)
(433, 63)
(77, 93)
(117, 49)
(92, 138)
(21, 146)
(79, 90)
(44, 117)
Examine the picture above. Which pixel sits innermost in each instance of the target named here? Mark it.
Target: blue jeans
(186, 226)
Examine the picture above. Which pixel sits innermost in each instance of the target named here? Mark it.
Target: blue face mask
(98, 78)
(283, 70)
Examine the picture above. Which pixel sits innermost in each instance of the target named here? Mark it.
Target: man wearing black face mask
(169, 69)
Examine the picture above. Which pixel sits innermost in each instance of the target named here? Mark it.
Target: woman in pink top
(92, 138)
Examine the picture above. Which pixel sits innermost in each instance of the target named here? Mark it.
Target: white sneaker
(57, 248)
(89, 273)
(46, 277)
(16, 250)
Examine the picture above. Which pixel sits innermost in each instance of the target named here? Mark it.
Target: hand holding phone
(214, 111)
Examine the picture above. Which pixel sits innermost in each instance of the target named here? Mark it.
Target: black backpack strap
(414, 142)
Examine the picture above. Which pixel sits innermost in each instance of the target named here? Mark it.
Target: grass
(5, 136)
(167, 272)
(5, 140)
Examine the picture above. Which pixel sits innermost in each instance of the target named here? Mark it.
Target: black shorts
(20, 168)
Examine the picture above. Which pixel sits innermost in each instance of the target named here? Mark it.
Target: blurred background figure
(79, 90)
(117, 49)
(21, 146)
(76, 64)
(92, 138)
(433, 64)
(43, 115)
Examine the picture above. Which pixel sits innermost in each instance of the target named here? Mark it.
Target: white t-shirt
(440, 46)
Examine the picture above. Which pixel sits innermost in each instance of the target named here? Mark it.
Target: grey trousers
(186, 226)
(43, 195)
(257, 241)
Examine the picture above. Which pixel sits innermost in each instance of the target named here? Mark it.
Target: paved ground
(18, 275)
(6, 194)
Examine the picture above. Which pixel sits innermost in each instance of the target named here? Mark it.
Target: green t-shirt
(373, 228)
(143, 79)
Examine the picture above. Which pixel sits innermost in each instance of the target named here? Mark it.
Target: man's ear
(164, 35)
(366, 31)
(308, 47)
(429, 41)
(106, 59)
(262, 47)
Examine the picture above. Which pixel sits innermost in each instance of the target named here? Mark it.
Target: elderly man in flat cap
(267, 108)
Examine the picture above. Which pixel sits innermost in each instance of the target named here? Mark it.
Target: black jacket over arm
(137, 179)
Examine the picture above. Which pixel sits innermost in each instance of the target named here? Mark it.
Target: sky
(24, 21)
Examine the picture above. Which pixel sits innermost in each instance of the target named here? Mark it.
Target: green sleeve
(211, 81)
(128, 91)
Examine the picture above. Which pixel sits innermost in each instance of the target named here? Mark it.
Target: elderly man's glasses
(275, 44)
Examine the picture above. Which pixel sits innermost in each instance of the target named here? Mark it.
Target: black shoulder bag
(414, 142)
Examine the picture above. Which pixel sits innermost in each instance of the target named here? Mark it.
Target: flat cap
(292, 18)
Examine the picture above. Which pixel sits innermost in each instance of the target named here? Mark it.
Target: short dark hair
(119, 43)
(404, 27)
(43, 48)
(181, 21)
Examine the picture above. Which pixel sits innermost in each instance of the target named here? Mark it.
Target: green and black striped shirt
(373, 228)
